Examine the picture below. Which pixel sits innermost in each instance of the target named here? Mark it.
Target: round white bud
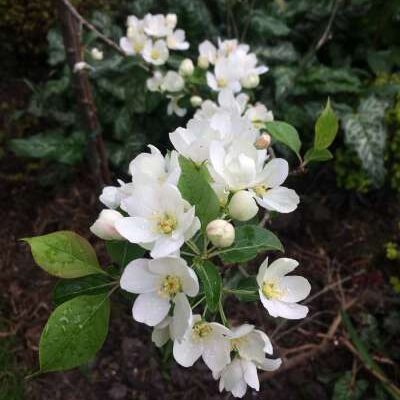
(96, 54)
(196, 101)
(250, 81)
(263, 141)
(221, 233)
(171, 20)
(104, 226)
(242, 206)
(186, 68)
(202, 62)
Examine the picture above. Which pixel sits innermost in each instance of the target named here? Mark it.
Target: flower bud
(96, 54)
(221, 233)
(250, 81)
(196, 101)
(104, 226)
(186, 68)
(171, 20)
(202, 62)
(263, 141)
(242, 206)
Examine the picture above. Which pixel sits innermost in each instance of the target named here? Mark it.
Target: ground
(337, 239)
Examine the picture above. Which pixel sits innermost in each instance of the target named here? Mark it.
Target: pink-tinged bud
(104, 226)
(242, 206)
(263, 141)
(221, 233)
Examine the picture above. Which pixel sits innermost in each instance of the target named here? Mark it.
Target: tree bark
(96, 152)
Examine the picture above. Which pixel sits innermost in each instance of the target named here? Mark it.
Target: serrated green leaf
(74, 333)
(326, 128)
(284, 133)
(86, 285)
(313, 155)
(64, 254)
(122, 253)
(249, 241)
(212, 283)
(195, 188)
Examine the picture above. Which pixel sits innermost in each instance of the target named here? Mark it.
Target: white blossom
(96, 54)
(133, 43)
(155, 53)
(154, 83)
(176, 40)
(174, 108)
(220, 232)
(111, 196)
(172, 82)
(159, 219)
(242, 206)
(258, 115)
(196, 101)
(207, 54)
(158, 282)
(186, 67)
(279, 293)
(157, 25)
(104, 226)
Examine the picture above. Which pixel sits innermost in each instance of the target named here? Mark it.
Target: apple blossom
(221, 233)
(96, 54)
(258, 115)
(111, 196)
(158, 282)
(154, 83)
(159, 219)
(174, 108)
(104, 226)
(207, 54)
(176, 40)
(172, 82)
(157, 25)
(242, 206)
(171, 20)
(186, 67)
(196, 101)
(279, 293)
(155, 53)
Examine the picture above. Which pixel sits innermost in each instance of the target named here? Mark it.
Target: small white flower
(155, 53)
(133, 43)
(221, 233)
(81, 66)
(250, 81)
(96, 54)
(154, 169)
(157, 25)
(203, 339)
(196, 101)
(171, 20)
(172, 82)
(258, 115)
(157, 282)
(207, 54)
(176, 40)
(225, 75)
(242, 206)
(134, 23)
(186, 68)
(279, 293)
(174, 108)
(154, 83)
(104, 226)
(159, 219)
(112, 196)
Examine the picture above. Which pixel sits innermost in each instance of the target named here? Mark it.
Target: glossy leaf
(247, 289)
(74, 333)
(211, 282)
(317, 155)
(122, 253)
(64, 254)
(284, 133)
(326, 128)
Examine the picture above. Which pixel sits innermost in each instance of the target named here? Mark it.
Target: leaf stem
(198, 302)
(193, 246)
(222, 314)
(239, 291)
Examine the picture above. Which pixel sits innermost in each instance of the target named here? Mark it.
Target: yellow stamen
(271, 290)
(155, 54)
(201, 330)
(260, 190)
(236, 343)
(167, 224)
(170, 286)
(222, 82)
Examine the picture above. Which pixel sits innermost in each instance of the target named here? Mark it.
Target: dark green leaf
(64, 254)
(284, 133)
(211, 281)
(326, 128)
(267, 25)
(74, 333)
(245, 285)
(346, 389)
(86, 285)
(122, 253)
(249, 241)
(195, 188)
(313, 155)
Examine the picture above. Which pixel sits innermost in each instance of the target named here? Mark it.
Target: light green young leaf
(317, 155)
(195, 188)
(284, 133)
(64, 254)
(326, 128)
(74, 333)
(211, 281)
(249, 241)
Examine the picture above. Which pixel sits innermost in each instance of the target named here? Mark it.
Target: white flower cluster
(152, 37)
(234, 67)
(150, 211)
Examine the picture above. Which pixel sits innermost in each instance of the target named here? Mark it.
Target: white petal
(261, 272)
(187, 352)
(137, 278)
(216, 353)
(150, 308)
(279, 199)
(252, 347)
(136, 229)
(281, 309)
(250, 374)
(182, 317)
(126, 46)
(165, 246)
(270, 364)
(240, 331)
(160, 336)
(295, 288)
(279, 268)
(275, 172)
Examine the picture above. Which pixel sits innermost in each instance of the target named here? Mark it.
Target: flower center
(222, 82)
(271, 290)
(201, 330)
(137, 46)
(155, 54)
(170, 286)
(167, 224)
(260, 190)
(236, 343)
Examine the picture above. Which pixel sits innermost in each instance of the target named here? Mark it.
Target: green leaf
(211, 281)
(64, 254)
(346, 389)
(317, 155)
(284, 133)
(326, 128)
(249, 241)
(264, 24)
(86, 285)
(74, 333)
(195, 188)
(248, 284)
(56, 50)
(122, 253)
(365, 133)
